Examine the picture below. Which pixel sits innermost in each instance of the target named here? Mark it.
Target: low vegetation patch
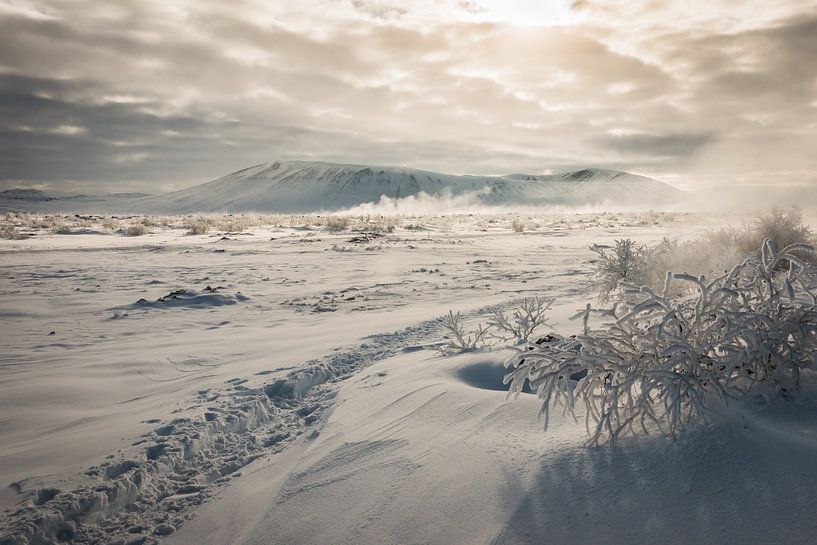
(198, 226)
(135, 230)
(337, 223)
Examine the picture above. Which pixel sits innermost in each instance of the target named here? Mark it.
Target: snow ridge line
(180, 464)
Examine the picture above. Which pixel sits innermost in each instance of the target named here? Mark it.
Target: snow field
(178, 363)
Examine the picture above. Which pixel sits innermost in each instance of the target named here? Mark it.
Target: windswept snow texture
(298, 186)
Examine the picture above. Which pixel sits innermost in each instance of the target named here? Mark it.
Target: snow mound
(208, 298)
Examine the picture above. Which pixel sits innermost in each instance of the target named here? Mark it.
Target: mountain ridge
(319, 186)
(315, 186)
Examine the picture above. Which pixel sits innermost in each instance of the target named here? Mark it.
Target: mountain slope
(299, 186)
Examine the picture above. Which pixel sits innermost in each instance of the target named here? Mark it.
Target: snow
(283, 391)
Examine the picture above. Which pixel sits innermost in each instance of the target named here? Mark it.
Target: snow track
(147, 494)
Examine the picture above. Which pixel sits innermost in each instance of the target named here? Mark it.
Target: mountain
(24, 194)
(301, 186)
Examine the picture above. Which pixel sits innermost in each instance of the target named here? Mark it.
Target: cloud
(674, 145)
(149, 95)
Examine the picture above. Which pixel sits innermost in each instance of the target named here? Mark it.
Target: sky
(157, 95)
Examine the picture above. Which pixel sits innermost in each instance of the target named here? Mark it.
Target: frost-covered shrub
(203, 223)
(135, 230)
(783, 227)
(49, 222)
(337, 223)
(710, 254)
(627, 261)
(63, 229)
(198, 226)
(381, 224)
(459, 339)
(518, 327)
(10, 232)
(236, 224)
(518, 226)
(35, 221)
(111, 223)
(523, 322)
(153, 221)
(666, 357)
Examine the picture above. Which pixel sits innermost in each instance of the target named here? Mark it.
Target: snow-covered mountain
(302, 186)
(299, 186)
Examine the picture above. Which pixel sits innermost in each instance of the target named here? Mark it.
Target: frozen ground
(280, 386)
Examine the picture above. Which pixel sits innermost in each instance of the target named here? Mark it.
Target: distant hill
(40, 201)
(303, 186)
